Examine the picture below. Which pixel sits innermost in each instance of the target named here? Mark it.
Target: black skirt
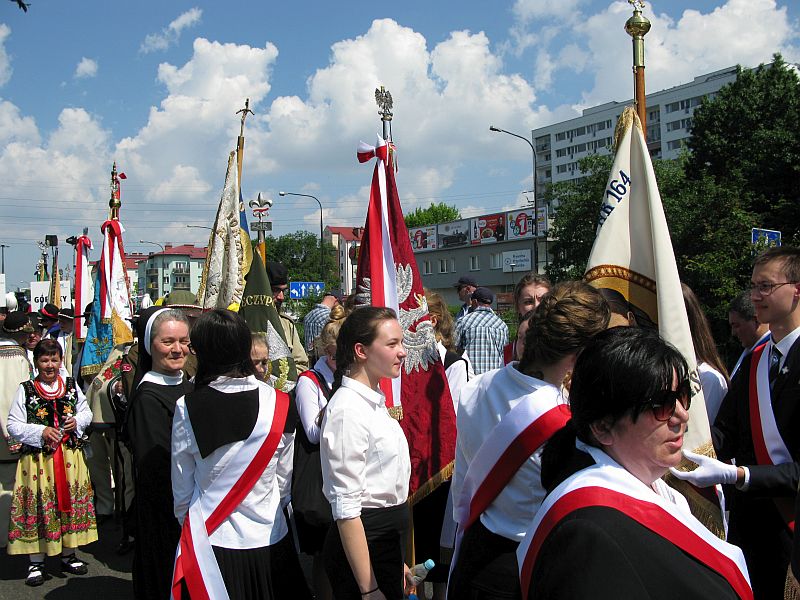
(486, 566)
(386, 530)
(268, 573)
(311, 537)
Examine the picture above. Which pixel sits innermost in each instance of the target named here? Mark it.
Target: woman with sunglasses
(607, 511)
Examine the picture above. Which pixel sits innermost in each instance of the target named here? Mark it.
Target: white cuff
(746, 483)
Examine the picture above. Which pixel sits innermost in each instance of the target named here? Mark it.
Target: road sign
(261, 226)
(768, 237)
(304, 289)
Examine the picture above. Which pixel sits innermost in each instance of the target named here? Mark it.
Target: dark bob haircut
(222, 341)
(47, 347)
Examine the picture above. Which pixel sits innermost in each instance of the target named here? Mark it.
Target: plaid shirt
(482, 335)
(313, 323)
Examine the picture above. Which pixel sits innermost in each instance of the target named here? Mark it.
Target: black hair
(47, 347)
(360, 327)
(222, 342)
(743, 306)
(617, 374)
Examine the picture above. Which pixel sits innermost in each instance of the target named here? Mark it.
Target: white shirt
(786, 344)
(714, 389)
(483, 402)
(310, 399)
(31, 433)
(365, 459)
(457, 374)
(258, 521)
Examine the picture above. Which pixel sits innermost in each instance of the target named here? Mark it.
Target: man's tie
(774, 364)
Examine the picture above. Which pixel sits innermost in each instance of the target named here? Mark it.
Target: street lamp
(200, 227)
(321, 251)
(535, 205)
(3, 259)
(160, 279)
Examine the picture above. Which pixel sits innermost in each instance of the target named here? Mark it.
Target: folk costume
(504, 419)
(149, 426)
(759, 427)
(626, 540)
(14, 369)
(230, 469)
(52, 507)
(365, 473)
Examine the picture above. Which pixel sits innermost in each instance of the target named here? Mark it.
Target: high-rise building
(669, 118)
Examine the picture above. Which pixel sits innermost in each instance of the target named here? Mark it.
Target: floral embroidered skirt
(36, 525)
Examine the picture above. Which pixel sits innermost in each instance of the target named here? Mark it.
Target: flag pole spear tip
(114, 203)
(637, 27)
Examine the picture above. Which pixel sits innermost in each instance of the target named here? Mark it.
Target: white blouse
(310, 399)
(483, 402)
(258, 521)
(31, 433)
(458, 374)
(365, 459)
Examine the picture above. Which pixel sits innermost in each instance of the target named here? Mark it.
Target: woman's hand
(409, 581)
(51, 436)
(70, 424)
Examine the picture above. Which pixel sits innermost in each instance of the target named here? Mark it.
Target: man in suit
(758, 427)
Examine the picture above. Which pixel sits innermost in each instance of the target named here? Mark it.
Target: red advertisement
(488, 229)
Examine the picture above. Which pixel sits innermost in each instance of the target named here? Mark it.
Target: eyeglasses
(664, 405)
(765, 289)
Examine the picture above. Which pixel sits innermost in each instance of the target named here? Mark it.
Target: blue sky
(154, 85)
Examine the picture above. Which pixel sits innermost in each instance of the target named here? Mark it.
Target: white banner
(2, 290)
(40, 294)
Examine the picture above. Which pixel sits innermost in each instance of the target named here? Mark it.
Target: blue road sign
(304, 289)
(769, 237)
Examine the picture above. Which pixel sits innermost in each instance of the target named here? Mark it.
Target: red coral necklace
(47, 395)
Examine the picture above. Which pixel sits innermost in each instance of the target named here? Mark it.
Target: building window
(675, 144)
(561, 136)
(496, 260)
(474, 264)
(442, 265)
(561, 169)
(452, 265)
(427, 268)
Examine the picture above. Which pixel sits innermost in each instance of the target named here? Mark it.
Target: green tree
(747, 138)
(435, 213)
(299, 251)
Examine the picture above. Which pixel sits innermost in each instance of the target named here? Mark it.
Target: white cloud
(171, 34)
(183, 179)
(86, 68)
(530, 10)
(5, 61)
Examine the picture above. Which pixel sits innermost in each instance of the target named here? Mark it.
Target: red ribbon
(60, 469)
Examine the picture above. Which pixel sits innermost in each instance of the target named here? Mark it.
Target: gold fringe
(791, 590)
(90, 370)
(704, 511)
(627, 119)
(432, 483)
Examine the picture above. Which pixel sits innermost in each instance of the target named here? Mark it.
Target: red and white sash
(608, 484)
(195, 562)
(522, 431)
(767, 441)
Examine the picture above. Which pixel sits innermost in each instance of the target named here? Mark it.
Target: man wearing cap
(316, 318)
(482, 334)
(14, 369)
(279, 281)
(48, 320)
(465, 286)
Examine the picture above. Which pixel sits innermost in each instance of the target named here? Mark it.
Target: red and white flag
(388, 276)
(83, 284)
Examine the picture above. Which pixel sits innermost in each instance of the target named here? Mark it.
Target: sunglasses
(663, 405)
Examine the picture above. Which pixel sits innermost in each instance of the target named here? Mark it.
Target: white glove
(709, 471)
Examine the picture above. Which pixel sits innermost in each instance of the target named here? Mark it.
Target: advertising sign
(40, 294)
(517, 261)
(520, 224)
(455, 233)
(423, 238)
(488, 229)
(2, 289)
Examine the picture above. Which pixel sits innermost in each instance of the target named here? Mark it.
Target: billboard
(423, 238)
(40, 294)
(455, 233)
(520, 222)
(488, 229)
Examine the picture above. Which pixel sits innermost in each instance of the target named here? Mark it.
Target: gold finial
(384, 100)
(244, 112)
(636, 27)
(114, 203)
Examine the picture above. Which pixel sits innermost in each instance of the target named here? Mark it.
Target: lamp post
(535, 204)
(3, 259)
(321, 251)
(160, 280)
(200, 227)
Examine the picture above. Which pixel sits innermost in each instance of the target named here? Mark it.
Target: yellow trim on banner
(637, 289)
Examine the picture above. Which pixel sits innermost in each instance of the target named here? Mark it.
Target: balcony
(181, 286)
(152, 271)
(180, 269)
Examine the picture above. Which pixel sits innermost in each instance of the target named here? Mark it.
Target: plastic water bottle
(419, 573)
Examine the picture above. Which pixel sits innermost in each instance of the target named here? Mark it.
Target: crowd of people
(564, 436)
